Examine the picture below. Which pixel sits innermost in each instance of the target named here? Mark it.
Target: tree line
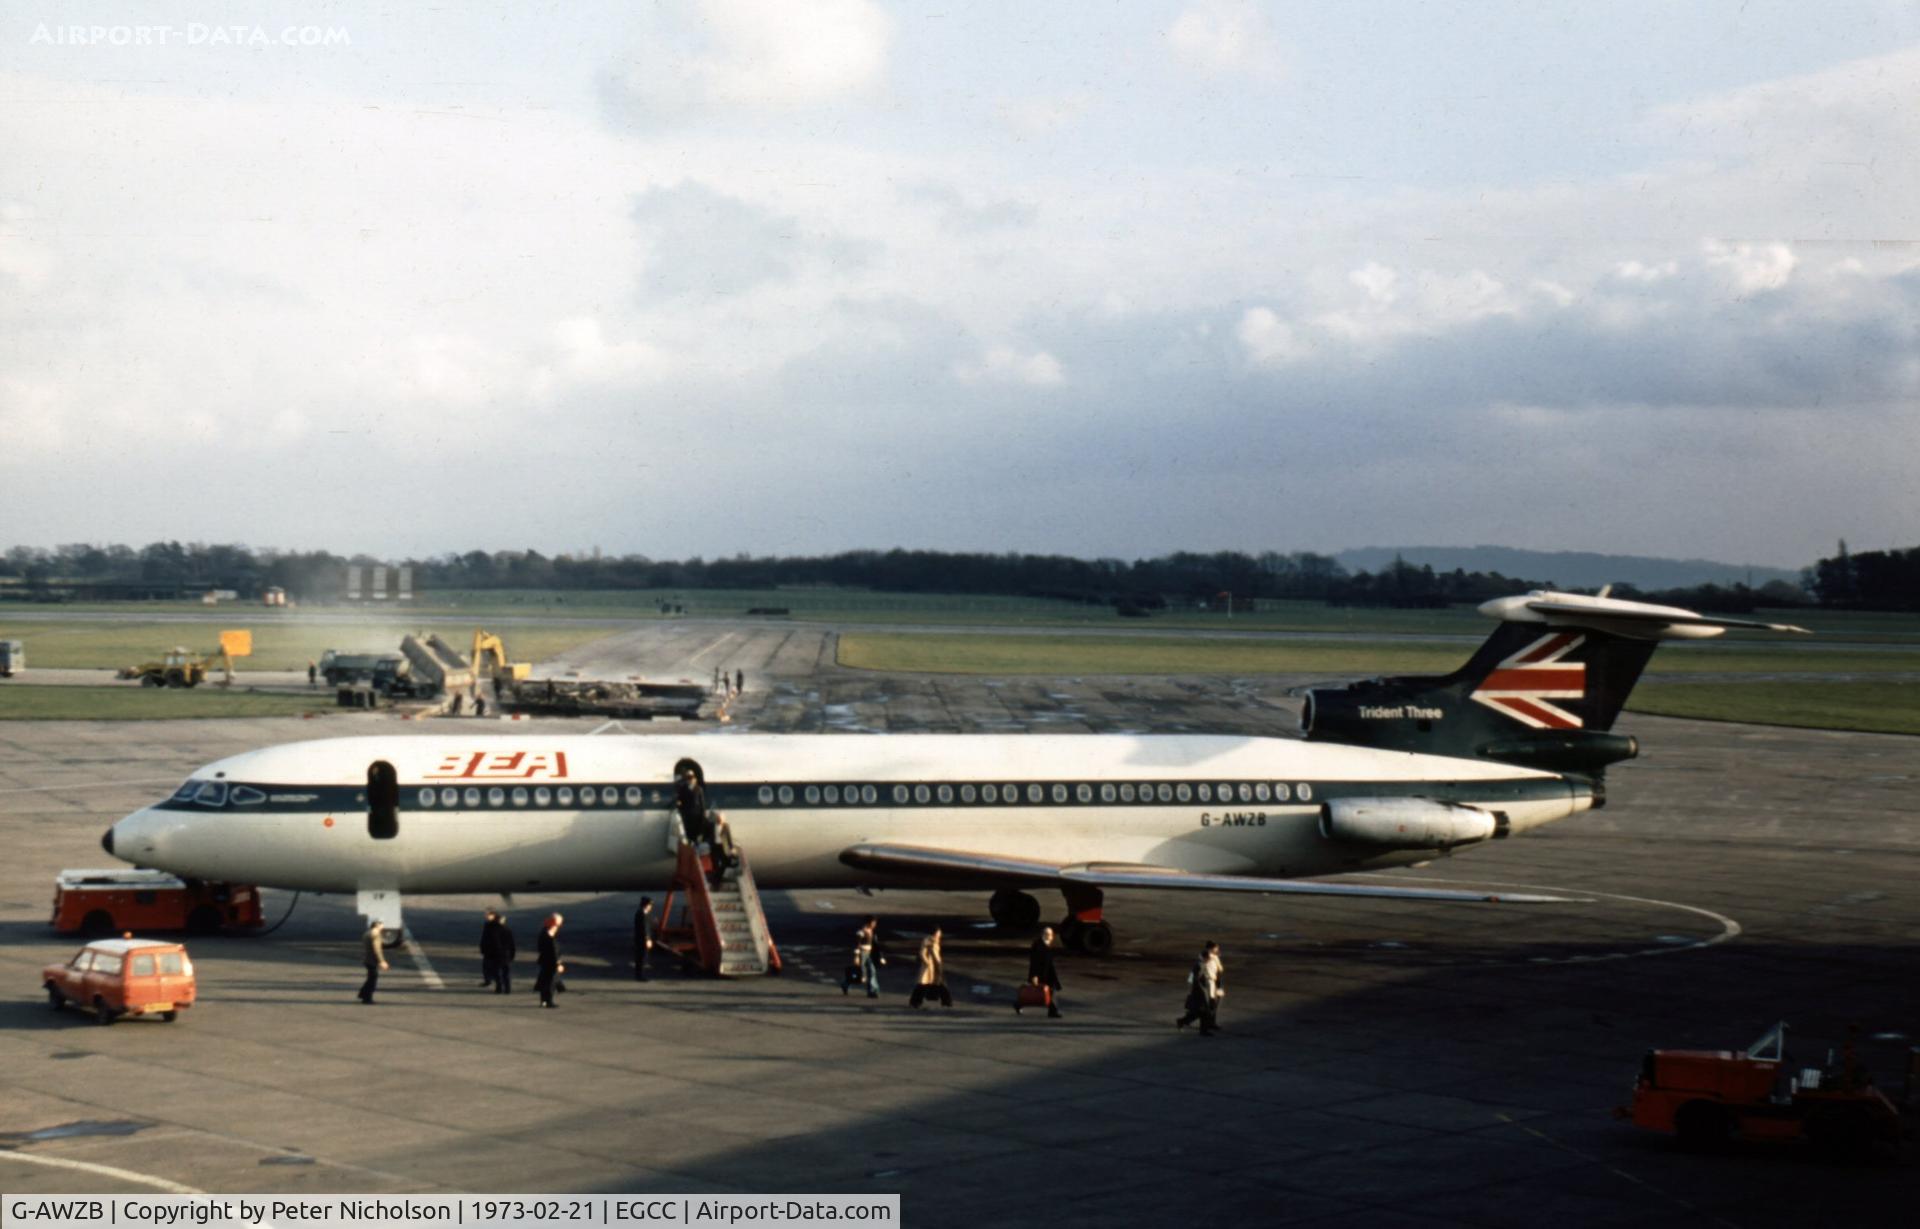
(1876, 580)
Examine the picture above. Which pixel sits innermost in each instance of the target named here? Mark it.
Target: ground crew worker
(373, 955)
(550, 966)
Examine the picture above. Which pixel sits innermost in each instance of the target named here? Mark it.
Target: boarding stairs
(720, 929)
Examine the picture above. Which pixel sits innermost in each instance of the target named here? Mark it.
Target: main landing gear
(1082, 930)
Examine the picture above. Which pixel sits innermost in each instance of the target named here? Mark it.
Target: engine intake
(1407, 823)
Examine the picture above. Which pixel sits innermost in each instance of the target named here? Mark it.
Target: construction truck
(390, 674)
(180, 667)
(1711, 1098)
(488, 647)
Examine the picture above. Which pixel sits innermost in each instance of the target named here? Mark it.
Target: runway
(1385, 1062)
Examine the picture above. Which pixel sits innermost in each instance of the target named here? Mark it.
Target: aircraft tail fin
(1543, 690)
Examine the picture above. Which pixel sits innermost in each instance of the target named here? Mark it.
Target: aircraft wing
(976, 868)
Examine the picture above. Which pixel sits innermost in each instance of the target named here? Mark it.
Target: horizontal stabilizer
(1641, 620)
(976, 869)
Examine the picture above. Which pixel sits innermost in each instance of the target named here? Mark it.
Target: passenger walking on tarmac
(490, 950)
(373, 955)
(479, 703)
(932, 980)
(1206, 984)
(508, 949)
(1040, 971)
(642, 937)
(550, 966)
(739, 681)
(867, 959)
(313, 674)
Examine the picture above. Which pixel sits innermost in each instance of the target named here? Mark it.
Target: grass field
(20, 702)
(276, 646)
(1886, 708)
(1013, 653)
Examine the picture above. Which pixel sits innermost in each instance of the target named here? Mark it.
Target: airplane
(1391, 772)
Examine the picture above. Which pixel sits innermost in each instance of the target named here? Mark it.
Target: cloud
(720, 57)
(1035, 118)
(1268, 340)
(1005, 365)
(1753, 267)
(1225, 37)
(702, 242)
(959, 213)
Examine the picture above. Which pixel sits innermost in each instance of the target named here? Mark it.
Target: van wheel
(169, 1016)
(98, 922)
(55, 999)
(102, 1014)
(204, 920)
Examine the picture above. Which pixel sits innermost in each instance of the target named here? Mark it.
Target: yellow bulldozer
(180, 667)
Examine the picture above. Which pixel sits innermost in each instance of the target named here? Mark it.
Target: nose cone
(106, 842)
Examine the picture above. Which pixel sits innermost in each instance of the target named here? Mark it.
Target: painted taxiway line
(105, 1171)
(428, 973)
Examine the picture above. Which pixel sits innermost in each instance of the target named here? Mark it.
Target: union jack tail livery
(1543, 691)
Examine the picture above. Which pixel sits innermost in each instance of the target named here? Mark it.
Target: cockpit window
(212, 794)
(186, 792)
(245, 796)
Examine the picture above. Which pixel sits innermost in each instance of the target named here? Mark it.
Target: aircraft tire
(1014, 910)
(1093, 938)
(97, 922)
(1703, 1126)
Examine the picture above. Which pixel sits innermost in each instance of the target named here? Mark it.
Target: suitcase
(1033, 996)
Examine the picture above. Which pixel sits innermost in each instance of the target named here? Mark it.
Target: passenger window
(426, 798)
(1164, 792)
(1246, 792)
(212, 794)
(786, 795)
(1280, 792)
(1083, 792)
(1205, 791)
(170, 963)
(1305, 792)
(832, 794)
(1034, 793)
(869, 794)
(246, 796)
(946, 793)
(1126, 793)
(1183, 792)
(542, 796)
(813, 795)
(1059, 793)
(496, 795)
(519, 795)
(990, 793)
(563, 795)
(143, 966)
(634, 795)
(1108, 793)
(968, 793)
(383, 801)
(900, 793)
(1261, 791)
(449, 797)
(922, 794)
(766, 795)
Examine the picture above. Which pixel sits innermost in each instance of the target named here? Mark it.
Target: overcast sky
(698, 278)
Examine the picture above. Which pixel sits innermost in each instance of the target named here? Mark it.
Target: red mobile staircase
(723, 929)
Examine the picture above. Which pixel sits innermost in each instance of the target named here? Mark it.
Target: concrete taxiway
(1384, 1062)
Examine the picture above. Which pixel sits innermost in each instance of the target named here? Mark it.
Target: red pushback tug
(1711, 1098)
(100, 902)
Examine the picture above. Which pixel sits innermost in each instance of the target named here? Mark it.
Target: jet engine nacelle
(1407, 823)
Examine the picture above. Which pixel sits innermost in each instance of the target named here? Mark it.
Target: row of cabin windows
(967, 794)
(1038, 794)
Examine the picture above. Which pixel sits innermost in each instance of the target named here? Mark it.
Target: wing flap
(974, 868)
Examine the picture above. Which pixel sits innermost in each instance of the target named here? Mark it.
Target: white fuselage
(506, 813)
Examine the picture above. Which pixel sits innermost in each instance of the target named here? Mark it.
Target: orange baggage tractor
(123, 977)
(104, 902)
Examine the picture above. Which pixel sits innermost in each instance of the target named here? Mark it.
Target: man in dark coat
(642, 937)
(1040, 970)
(550, 966)
(690, 799)
(508, 949)
(490, 951)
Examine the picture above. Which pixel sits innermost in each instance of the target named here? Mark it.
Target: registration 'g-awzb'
(1391, 772)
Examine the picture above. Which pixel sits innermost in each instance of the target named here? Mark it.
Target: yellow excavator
(180, 668)
(489, 648)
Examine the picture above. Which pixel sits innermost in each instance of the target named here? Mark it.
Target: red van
(123, 977)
